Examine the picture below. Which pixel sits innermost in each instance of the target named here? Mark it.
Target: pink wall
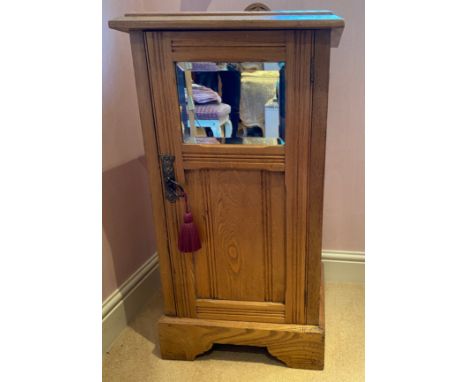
(128, 238)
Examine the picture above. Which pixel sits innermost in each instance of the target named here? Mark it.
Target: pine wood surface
(257, 279)
(138, 42)
(251, 311)
(167, 128)
(234, 46)
(298, 118)
(240, 215)
(228, 20)
(298, 346)
(316, 171)
(230, 206)
(251, 204)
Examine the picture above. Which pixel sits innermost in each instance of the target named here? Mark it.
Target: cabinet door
(250, 195)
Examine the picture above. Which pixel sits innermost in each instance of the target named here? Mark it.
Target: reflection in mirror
(232, 103)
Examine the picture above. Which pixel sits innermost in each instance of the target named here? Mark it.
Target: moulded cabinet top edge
(299, 19)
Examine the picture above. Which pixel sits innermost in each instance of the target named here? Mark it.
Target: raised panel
(236, 208)
(240, 215)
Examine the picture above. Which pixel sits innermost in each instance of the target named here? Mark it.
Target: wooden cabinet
(257, 201)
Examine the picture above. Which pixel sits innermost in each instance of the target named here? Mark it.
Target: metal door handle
(172, 189)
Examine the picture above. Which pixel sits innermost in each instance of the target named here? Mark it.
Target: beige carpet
(135, 354)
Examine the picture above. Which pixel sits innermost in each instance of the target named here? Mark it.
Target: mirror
(232, 103)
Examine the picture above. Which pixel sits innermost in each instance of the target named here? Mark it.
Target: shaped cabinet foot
(298, 346)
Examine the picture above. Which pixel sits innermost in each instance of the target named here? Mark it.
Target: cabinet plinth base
(298, 346)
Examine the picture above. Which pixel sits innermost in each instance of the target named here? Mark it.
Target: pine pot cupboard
(233, 108)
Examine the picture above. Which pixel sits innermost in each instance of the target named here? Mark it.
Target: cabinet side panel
(317, 157)
(151, 151)
(298, 121)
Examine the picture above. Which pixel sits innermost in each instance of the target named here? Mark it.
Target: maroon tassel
(189, 240)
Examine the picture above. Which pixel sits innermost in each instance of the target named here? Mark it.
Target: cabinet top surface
(227, 20)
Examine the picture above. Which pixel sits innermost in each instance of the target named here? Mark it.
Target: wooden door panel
(251, 204)
(240, 214)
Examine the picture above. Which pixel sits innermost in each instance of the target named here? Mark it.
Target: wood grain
(236, 210)
(298, 346)
(231, 39)
(243, 256)
(256, 54)
(167, 127)
(145, 106)
(239, 161)
(316, 173)
(267, 235)
(227, 21)
(298, 136)
(241, 311)
(234, 150)
(227, 46)
(276, 235)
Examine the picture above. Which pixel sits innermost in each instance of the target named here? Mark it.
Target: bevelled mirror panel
(232, 103)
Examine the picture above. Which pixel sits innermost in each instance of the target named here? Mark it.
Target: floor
(135, 354)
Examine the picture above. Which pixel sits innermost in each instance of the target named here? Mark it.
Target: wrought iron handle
(172, 189)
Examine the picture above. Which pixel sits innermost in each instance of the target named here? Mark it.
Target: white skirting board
(122, 305)
(343, 266)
